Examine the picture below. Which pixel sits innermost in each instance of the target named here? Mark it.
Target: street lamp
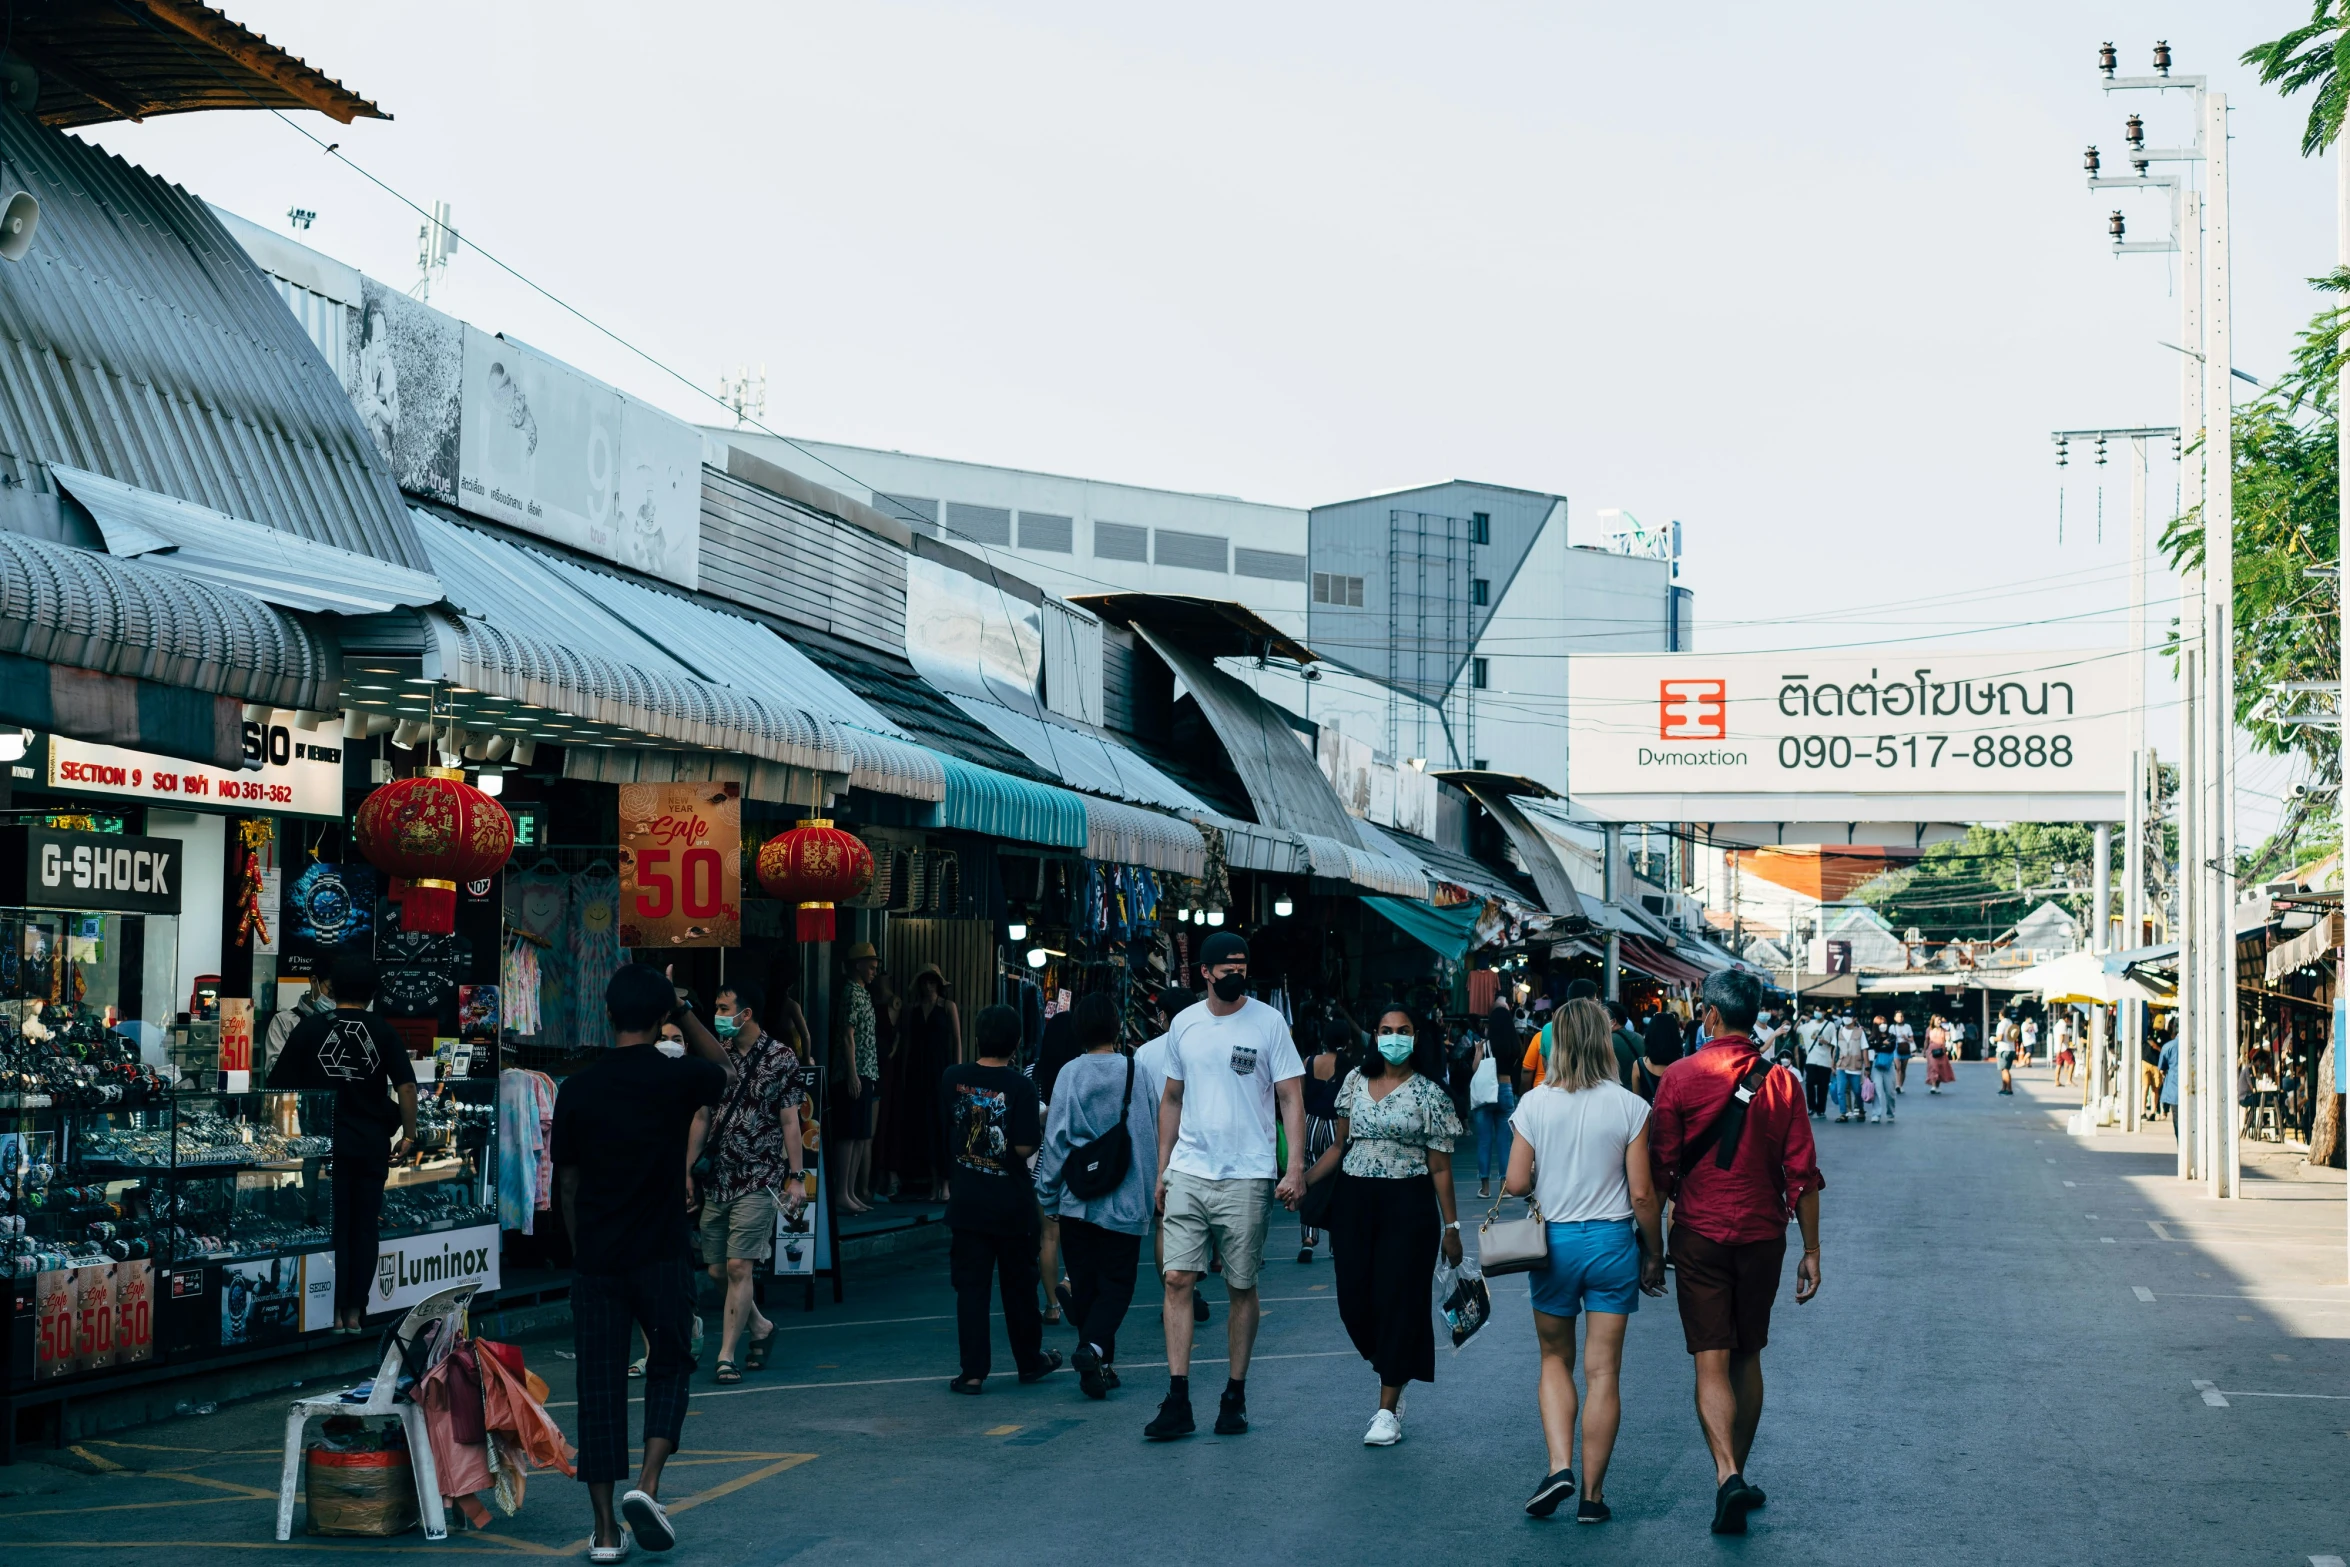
(1282, 907)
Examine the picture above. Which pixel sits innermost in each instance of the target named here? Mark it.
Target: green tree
(1973, 888)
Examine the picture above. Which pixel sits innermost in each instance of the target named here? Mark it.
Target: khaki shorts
(742, 1227)
(1234, 1213)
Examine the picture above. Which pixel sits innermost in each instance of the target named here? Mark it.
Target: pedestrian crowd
(1636, 1146)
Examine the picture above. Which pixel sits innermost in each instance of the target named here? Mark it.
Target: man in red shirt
(1735, 1169)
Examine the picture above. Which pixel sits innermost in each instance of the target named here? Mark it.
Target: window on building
(1273, 565)
(980, 524)
(1343, 592)
(1197, 551)
(1044, 531)
(1480, 527)
(1477, 677)
(1121, 541)
(1480, 590)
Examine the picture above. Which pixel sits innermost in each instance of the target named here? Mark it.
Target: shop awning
(1128, 835)
(1471, 876)
(1445, 932)
(981, 800)
(2320, 941)
(1658, 963)
(274, 566)
(772, 782)
(1346, 860)
(124, 653)
(1249, 847)
(1543, 864)
(1079, 757)
(1285, 787)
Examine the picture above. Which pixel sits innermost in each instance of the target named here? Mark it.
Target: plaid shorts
(605, 1308)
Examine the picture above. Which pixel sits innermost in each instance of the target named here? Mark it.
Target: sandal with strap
(728, 1371)
(755, 1354)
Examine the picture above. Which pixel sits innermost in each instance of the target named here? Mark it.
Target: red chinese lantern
(432, 832)
(815, 865)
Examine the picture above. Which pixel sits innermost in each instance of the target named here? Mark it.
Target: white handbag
(1513, 1245)
(1484, 1084)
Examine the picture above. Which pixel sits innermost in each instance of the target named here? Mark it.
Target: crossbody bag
(1094, 1169)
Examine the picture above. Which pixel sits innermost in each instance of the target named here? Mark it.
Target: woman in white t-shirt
(1580, 1147)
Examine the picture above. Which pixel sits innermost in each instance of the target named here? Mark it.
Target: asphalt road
(1982, 1379)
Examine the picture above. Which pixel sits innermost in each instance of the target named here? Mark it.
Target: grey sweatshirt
(1085, 1105)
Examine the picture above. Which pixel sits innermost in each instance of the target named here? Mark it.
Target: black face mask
(1229, 987)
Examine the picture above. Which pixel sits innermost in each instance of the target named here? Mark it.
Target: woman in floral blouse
(1393, 1154)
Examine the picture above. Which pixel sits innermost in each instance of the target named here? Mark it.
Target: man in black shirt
(627, 1132)
(993, 1124)
(355, 1053)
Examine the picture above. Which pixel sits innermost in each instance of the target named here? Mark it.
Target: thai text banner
(1899, 722)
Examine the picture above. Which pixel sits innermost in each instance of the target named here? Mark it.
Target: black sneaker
(1172, 1421)
(1088, 1361)
(1109, 1375)
(1754, 1496)
(1231, 1416)
(1199, 1307)
(1554, 1489)
(1730, 1505)
(1589, 1511)
(1043, 1368)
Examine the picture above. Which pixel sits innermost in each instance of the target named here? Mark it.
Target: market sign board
(417, 1267)
(1893, 734)
(92, 1318)
(681, 865)
(562, 455)
(103, 872)
(288, 772)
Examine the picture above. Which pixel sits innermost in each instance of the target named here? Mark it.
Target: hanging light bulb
(491, 781)
(1282, 907)
(1036, 957)
(1215, 916)
(1183, 915)
(1017, 930)
(14, 743)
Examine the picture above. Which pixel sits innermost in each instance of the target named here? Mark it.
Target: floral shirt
(863, 1032)
(746, 1131)
(1389, 1138)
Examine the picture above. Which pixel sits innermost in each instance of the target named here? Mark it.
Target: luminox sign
(413, 1267)
(1848, 735)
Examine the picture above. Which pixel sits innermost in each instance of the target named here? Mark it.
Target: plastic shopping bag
(1868, 1091)
(1463, 1299)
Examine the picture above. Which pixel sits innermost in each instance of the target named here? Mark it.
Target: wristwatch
(1454, 1225)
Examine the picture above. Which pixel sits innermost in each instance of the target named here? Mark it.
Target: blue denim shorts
(1595, 1263)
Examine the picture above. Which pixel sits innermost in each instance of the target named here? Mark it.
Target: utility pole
(2100, 1038)
(1611, 890)
(2132, 1016)
(2219, 597)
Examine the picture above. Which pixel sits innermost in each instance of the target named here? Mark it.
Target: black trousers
(359, 1206)
(974, 1261)
(1102, 1265)
(1383, 1238)
(1815, 1087)
(605, 1309)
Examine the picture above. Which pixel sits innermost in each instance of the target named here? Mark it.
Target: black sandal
(755, 1353)
(729, 1372)
(967, 1385)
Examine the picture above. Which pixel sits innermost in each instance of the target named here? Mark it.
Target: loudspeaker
(20, 86)
(20, 220)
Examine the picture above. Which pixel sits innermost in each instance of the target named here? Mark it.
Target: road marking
(1044, 1433)
(2051, 1161)
(2211, 1395)
(2071, 1183)
(782, 1462)
(2142, 1292)
(2327, 1300)
(999, 1430)
(2330, 1398)
(372, 1548)
(2088, 1216)
(2325, 1561)
(102, 1465)
(2107, 1240)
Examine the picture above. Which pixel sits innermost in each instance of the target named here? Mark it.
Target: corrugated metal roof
(1336, 859)
(278, 568)
(1542, 862)
(1461, 870)
(127, 62)
(890, 684)
(1284, 785)
(1127, 835)
(891, 766)
(998, 805)
(75, 607)
(138, 341)
(1081, 759)
(1249, 847)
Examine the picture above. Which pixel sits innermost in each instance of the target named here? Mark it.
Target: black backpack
(1094, 1169)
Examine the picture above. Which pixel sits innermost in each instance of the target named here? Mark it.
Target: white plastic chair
(425, 1315)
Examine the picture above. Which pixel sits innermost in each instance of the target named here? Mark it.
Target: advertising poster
(417, 1267)
(403, 379)
(260, 1302)
(318, 1291)
(803, 1243)
(87, 1319)
(291, 772)
(236, 1034)
(134, 1312)
(681, 870)
(560, 454)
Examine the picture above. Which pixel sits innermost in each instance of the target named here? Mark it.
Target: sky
(1815, 280)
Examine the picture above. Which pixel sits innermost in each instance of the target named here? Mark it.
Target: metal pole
(2100, 1097)
(2131, 1016)
(2188, 887)
(2219, 594)
(1610, 889)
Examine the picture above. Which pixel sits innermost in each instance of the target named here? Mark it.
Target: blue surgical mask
(1397, 1048)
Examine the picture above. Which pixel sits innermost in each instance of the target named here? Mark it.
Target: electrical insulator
(2162, 57)
(2107, 60)
(2090, 158)
(2134, 132)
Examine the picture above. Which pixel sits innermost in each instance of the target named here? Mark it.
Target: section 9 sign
(681, 865)
(1707, 736)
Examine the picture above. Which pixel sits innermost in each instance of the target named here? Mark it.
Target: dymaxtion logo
(1692, 710)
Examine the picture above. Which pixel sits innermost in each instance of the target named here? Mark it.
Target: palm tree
(2316, 54)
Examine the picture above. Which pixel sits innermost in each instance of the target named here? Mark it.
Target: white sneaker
(1385, 1430)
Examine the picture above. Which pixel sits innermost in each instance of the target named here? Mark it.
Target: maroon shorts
(1725, 1292)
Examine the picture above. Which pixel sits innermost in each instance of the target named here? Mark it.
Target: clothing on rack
(526, 1125)
(538, 900)
(518, 983)
(595, 952)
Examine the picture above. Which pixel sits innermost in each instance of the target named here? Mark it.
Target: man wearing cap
(1230, 1065)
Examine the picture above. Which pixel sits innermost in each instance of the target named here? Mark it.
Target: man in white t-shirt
(1230, 1065)
(1819, 1063)
(1150, 1062)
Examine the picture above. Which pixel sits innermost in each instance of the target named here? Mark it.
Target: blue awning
(981, 800)
(1445, 932)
